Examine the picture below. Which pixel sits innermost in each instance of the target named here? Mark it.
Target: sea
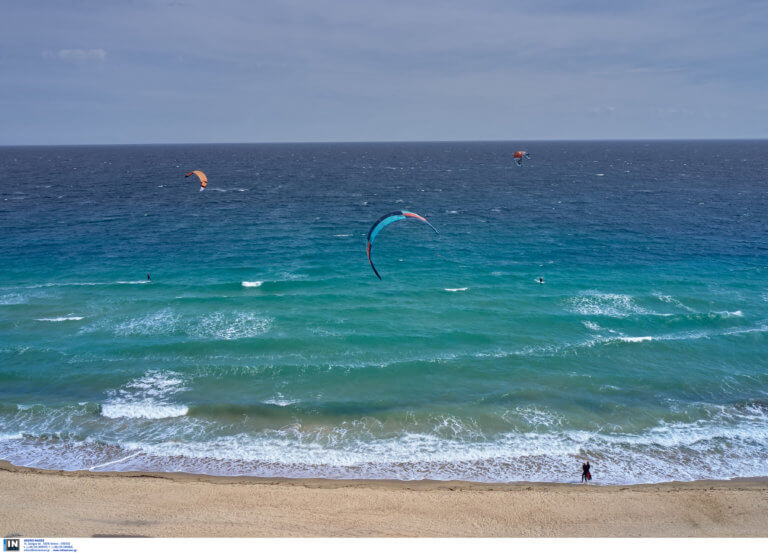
(265, 345)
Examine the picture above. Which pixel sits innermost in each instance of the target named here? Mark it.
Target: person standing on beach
(585, 474)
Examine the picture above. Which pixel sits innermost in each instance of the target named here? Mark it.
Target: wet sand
(82, 504)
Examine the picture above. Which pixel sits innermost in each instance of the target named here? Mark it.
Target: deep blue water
(265, 345)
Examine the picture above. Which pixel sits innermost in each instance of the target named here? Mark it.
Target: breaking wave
(217, 325)
(730, 444)
(147, 397)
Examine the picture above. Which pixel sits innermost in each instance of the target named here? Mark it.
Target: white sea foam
(669, 299)
(56, 284)
(539, 417)
(60, 319)
(12, 299)
(729, 442)
(252, 283)
(231, 326)
(164, 321)
(726, 314)
(634, 339)
(142, 410)
(287, 276)
(607, 305)
(222, 325)
(456, 289)
(591, 326)
(280, 401)
(147, 397)
(457, 450)
(102, 465)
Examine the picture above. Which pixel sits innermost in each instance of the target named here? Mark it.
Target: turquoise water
(265, 345)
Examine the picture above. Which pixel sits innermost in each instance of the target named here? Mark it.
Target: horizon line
(311, 142)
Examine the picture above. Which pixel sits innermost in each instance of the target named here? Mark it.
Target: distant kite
(383, 222)
(519, 155)
(201, 176)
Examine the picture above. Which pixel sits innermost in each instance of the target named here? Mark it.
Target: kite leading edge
(383, 222)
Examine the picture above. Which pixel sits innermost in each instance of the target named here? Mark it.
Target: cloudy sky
(149, 71)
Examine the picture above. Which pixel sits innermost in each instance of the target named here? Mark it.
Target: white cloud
(77, 54)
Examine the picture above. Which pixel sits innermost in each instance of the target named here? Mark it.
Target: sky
(171, 71)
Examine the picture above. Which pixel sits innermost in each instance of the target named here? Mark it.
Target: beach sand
(83, 504)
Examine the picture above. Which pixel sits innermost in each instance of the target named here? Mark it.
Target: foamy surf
(12, 299)
(221, 325)
(60, 319)
(280, 401)
(142, 410)
(453, 449)
(456, 289)
(146, 397)
(607, 305)
(104, 283)
(252, 283)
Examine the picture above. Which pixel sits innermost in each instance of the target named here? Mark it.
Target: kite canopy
(201, 176)
(383, 222)
(519, 155)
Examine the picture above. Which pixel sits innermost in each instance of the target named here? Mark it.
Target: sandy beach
(85, 504)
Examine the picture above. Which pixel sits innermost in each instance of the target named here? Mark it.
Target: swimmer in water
(541, 280)
(148, 277)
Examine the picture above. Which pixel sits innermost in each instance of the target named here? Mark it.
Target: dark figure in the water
(148, 277)
(586, 476)
(541, 280)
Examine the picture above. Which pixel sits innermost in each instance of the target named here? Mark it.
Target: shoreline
(333, 483)
(85, 503)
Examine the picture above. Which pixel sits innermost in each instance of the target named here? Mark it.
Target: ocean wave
(549, 350)
(728, 441)
(143, 410)
(60, 319)
(217, 325)
(669, 299)
(538, 417)
(110, 283)
(280, 401)
(164, 321)
(623, 305)
(226, 326)
(146, 397)
(252, 283)
(455, 449)
(456, 289)
(12, 299)
(605, 304)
